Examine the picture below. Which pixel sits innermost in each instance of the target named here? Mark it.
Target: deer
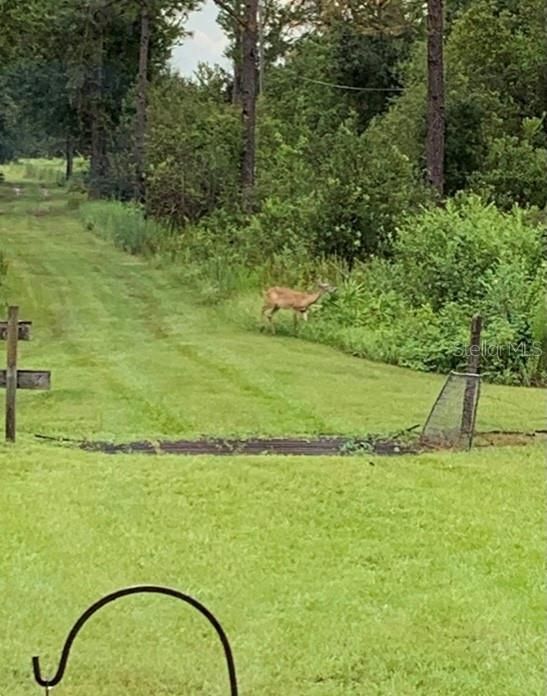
(277, 298)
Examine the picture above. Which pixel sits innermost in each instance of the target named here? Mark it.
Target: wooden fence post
(11, 378)
(473, 366)
(11, 372)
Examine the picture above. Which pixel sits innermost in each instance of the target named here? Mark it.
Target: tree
(155, 16)
(142, 94)
(435, 96)
(44, 105)
(81, 62)
(371, 17)
(249, 90)
(246, 31)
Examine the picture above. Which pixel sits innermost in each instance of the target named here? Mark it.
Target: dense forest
(396, 148)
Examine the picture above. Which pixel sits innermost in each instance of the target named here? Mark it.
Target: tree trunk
(142, 99)
(97, 164)
(261, 51)
(248, 99)
(237, 62)
(435, 96)
(69, 157)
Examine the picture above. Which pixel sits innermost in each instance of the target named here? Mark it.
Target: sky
(205, 46)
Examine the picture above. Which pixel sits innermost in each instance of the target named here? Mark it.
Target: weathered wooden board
(29, 379)
(11, 372)
(24, 330)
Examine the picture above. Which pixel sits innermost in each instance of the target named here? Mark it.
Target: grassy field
(412, 576)
(331, 576)
(132, 356)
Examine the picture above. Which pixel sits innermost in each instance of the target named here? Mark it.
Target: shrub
(515, 170)
(193, 151)
(361, 197)
(449, 254)
(449, 264)
(333, 197)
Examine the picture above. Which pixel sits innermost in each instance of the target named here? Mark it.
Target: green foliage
(304, 105)
(500, 48)
(515, 168)
(69, 72)
(193, 152)
(360, 198)
(495, 58)
(465, 140)
(332, 198)
(126, 226)
(449, 264)
(368, 61)
(444, 254)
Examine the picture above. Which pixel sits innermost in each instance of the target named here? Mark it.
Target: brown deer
(284, 298)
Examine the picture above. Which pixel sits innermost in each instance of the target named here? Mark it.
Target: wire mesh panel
(451, 422)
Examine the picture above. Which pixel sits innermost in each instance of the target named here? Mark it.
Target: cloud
(206, 45)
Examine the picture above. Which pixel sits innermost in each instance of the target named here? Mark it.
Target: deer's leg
(265, 309)
(273, 310)
(296, 313)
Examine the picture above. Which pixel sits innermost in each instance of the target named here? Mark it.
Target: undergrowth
(413, 310)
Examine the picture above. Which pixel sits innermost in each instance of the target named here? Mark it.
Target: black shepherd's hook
(124, 592)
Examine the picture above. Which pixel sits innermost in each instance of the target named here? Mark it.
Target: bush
(193, 151)
(449, 254)
(449, 264)
(515, 170)
(360, 197)
(333, 197)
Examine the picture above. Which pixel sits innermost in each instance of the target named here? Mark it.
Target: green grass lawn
(410, 575)
(413, 576)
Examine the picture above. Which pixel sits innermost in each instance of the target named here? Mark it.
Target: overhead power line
(350, 87)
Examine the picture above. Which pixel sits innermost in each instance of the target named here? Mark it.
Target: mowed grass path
(132, 356)
(366, 575)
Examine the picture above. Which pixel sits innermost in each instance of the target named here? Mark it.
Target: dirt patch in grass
(404, 443)
(322, 446)
(497, 438)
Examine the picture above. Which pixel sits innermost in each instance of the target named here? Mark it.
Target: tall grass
(126, 226)
(45, 171)
(51, 171)
(374, 314)
(3, 267)
(214, 272)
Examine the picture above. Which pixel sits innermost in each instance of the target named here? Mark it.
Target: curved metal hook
(124, 592)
